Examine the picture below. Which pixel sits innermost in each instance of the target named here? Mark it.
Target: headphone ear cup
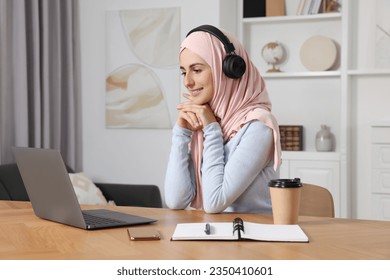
(233, 66)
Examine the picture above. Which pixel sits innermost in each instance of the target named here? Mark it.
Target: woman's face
(197, 77)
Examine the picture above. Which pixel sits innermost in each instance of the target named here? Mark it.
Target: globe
(273, 53)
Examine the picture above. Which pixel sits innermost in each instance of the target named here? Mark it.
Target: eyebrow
(193, 65)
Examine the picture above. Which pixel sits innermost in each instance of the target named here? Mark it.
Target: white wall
(370, 104)
(129, 155)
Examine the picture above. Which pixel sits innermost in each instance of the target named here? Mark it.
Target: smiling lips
(196, 92)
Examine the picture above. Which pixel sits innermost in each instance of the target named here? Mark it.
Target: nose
(188, 81)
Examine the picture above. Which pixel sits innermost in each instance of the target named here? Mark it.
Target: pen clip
(207, 229)
(238, 225)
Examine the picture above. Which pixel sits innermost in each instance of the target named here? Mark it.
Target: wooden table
(24, 236)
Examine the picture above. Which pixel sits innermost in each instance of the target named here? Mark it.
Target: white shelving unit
(369, 72)
(349, 98)
(302, 97)
(293, 18)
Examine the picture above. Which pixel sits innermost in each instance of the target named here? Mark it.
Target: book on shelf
(275, 8)
(254, 8)
(315, 7)
(301, 6)
(238, 230)
(291, 137)
(309, 7)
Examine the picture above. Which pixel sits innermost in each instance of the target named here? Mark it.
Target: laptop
(53, 197)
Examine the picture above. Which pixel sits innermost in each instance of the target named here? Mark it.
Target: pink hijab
(235, 102)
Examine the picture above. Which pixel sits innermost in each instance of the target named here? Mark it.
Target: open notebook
(238, 230)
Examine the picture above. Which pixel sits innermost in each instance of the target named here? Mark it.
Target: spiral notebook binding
(238, 225)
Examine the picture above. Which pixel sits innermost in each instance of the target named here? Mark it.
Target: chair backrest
(11, 183)
(12, 188)
(316, 201)
(132, 195)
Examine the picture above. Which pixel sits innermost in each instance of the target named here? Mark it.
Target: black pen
(207, 230)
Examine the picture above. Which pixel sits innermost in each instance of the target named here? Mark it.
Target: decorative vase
(324, 139)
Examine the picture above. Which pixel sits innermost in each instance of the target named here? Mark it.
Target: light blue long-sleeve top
(235, 175)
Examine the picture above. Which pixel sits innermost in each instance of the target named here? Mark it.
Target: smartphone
(143, 234)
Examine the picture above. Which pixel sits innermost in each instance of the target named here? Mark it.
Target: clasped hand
(193, 116)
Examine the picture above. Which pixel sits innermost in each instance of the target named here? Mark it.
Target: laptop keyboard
(100, 221)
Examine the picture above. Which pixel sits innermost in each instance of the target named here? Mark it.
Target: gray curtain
(40, 91)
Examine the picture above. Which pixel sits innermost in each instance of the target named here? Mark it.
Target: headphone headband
(229, 47)
(233, 66)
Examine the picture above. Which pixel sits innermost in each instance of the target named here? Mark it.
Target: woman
(225, 144)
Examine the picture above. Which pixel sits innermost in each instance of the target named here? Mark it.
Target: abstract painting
(142, 67)
(382, 43)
